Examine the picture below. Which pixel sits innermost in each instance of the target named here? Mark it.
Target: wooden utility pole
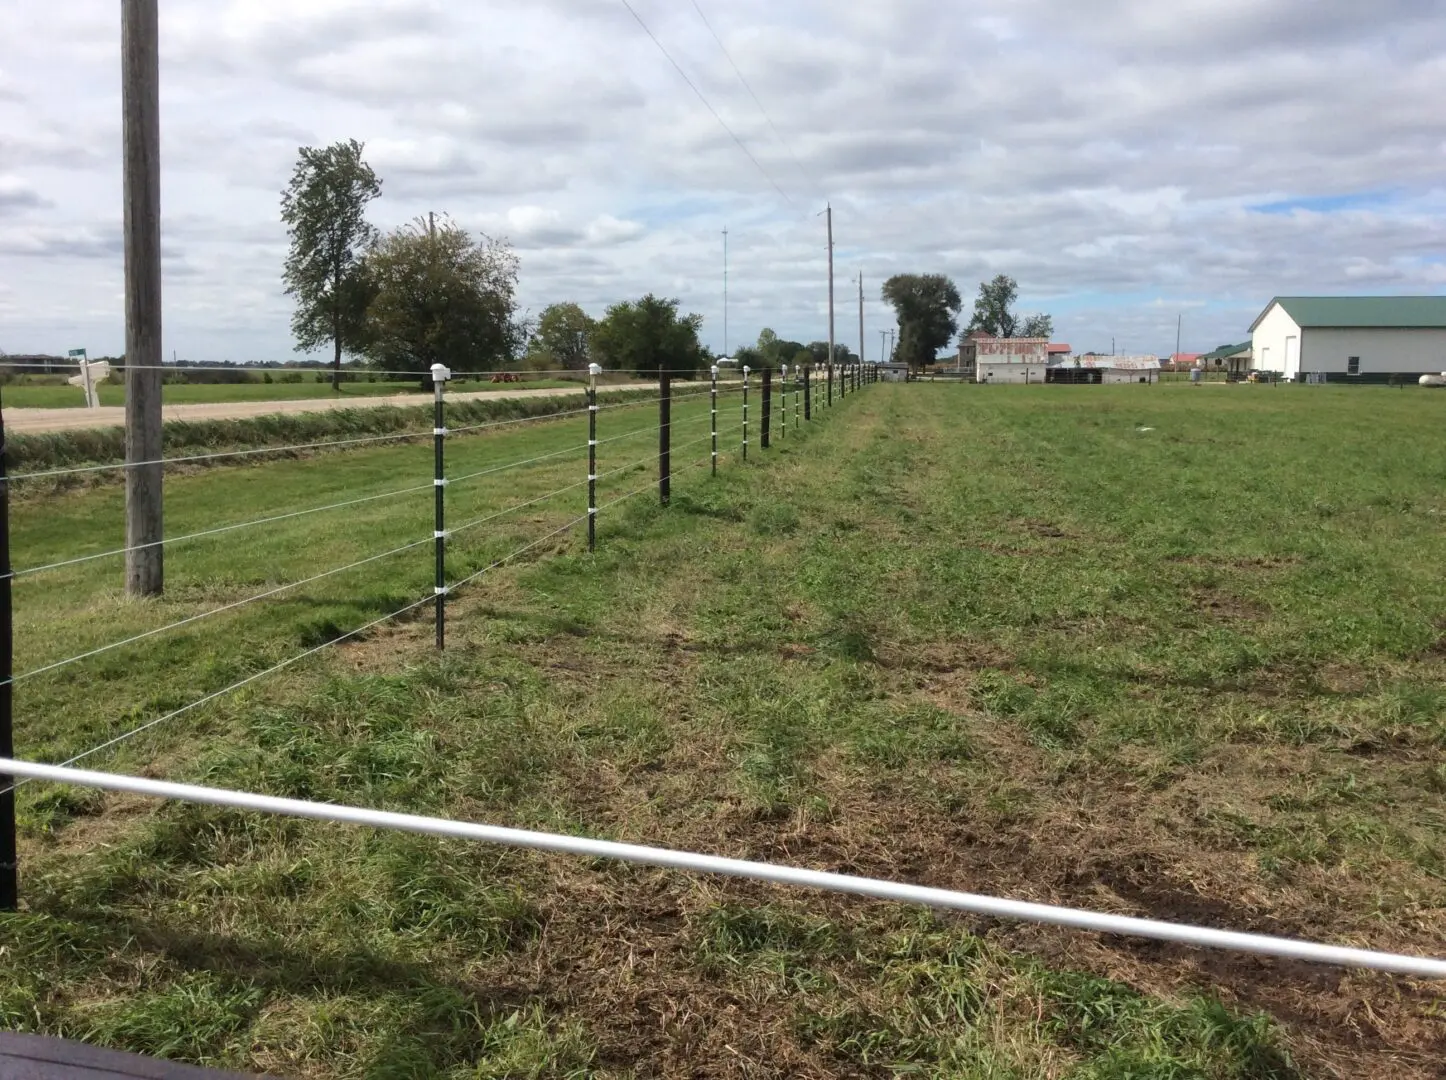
(861, 318)
(725, 293)
(141, 139)
(828, 209)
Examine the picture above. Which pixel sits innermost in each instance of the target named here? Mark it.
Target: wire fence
(663, 427)
(792, 399)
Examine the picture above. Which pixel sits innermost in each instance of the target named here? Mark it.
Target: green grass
(29, 396)
(86, 446)
(1154, 650)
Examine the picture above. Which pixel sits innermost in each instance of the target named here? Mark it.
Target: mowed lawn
(1167, 651)
(31, 396)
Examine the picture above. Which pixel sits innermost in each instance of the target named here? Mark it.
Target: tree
(994, 312)
(564, 334)
(648, 334)
(927, 307)
(1037, 326)
(442, 298)
(324, 209)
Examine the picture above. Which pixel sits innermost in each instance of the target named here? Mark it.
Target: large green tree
(994, 312)
(563, 337)
(442, 297)
(324, 209)
(927, 307)
(647, 334)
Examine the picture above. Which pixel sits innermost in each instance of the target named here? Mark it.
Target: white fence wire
(798, 877)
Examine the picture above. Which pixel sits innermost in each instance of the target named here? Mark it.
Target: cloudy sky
(1127, 161)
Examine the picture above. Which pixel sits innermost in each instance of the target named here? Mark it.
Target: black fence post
(829, 373)
(783, 393)
(807, 393)
(746, 369)
(440, 375)
(9, 857)
(713, 418)
(593, 370)
(665, 429)
(767, 408)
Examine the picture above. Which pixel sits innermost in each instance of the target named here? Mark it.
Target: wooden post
(141, 138)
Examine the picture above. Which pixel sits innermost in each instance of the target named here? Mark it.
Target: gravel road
(36, 421)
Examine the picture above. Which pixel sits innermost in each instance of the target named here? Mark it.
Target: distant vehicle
(1434, 380)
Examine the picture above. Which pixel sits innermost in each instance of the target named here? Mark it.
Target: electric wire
(218, 531)
(213, 611)
(708, 105)
(737, 71)
(775, 873)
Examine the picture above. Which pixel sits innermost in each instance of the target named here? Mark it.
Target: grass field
(29, 396)
(1167, 651)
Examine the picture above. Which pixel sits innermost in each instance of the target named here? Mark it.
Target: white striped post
(713, 417)
(440, 375)
(593, 371)
(783, 390)
(745, 412)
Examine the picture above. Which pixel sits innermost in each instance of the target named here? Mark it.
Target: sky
(1129, 162)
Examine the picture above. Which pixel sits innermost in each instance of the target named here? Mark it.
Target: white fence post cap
(594, 369)
(715, 369)
(440, 373)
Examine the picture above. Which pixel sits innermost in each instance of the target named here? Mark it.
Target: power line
(736, 71)
(708, 105)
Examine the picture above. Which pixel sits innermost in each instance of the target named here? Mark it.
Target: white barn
(1010, 360)
(1351, 338)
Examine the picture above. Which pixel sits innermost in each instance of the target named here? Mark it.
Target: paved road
(36, 421)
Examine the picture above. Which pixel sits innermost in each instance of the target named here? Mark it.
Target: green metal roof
(1368, 311)
(1225, 351)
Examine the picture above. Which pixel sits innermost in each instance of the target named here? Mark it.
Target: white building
(1010, 360)
(1351, 338)
(1113, 369)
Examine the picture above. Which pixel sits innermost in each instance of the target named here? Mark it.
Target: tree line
(928, 307)
(431, 292)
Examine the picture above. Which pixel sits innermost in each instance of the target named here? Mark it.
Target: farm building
(1234, 360)
(1010, 360)
(1105, 369)
(1351, 338)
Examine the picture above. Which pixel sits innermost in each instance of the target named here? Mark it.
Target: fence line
(222, 529)
(775, 873)
(217, 611)
(438, 537)
(323, 445)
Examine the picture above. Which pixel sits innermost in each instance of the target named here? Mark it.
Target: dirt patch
(1225, 606)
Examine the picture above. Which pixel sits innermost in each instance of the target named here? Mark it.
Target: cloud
(1124, 161)
(17, 196)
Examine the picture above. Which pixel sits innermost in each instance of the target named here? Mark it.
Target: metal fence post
(763, 428)
(828, 371)
(593, 371)
(9, 859)
(797, 394)
(713, 417)
(440, 375)
(665, 429)
(808, 393)
(783, 392)
(745, 412)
